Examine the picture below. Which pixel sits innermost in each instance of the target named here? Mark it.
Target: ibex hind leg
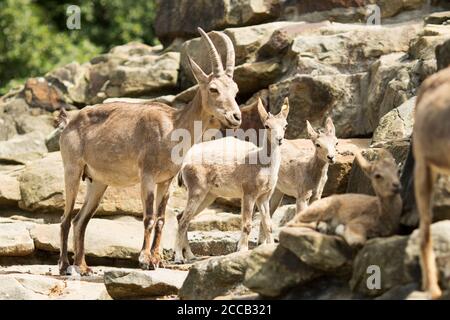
(72, 176)
(94, 194)
(423, 190)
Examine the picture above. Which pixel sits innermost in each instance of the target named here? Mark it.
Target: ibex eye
(377, 176)
(266, 126)
(317, 145)
(213, 90)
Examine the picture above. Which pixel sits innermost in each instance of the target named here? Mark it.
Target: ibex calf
(122, 144)
(233, 168)
(357, 217)
(303, 177)
(431, 146)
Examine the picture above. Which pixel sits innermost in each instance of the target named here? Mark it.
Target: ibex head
(275, 125)
(218, 90)
(325, 142)
(382, 172)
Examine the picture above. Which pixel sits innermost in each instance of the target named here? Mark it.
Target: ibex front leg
(148, 197)
(162, 196)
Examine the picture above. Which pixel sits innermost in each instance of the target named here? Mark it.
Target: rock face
(210, 15)
(122, 284)
(396, 124)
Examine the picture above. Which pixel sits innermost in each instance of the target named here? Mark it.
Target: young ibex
(431, 145)
(357, 217)
(303, 176)
(122, 144)
(233, 168)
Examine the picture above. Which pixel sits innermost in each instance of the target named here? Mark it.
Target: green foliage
(35, 39)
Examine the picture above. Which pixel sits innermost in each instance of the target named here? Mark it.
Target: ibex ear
(329, 127)
(198, 73)
(284, 109)
(363, 163)
(311, 132)
(262, 111)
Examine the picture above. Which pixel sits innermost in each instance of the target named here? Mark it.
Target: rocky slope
(321, 54)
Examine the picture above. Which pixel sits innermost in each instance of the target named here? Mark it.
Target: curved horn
(229, 69)
(216, 61)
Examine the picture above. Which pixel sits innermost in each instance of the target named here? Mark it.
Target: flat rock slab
(122, 284)
(38, 287)
(15, 240)
(104, 238)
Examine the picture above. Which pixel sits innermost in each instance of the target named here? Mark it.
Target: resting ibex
(431, 145)
(357, 217)
(233, 168)
(122, 144)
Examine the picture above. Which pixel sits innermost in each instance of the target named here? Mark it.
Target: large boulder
(246, 41)
(221, 276)
(42, 186)
(323, 252)
(314, 98)
(210, 15)
(123, 284)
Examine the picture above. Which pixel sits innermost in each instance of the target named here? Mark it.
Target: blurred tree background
(34, 37)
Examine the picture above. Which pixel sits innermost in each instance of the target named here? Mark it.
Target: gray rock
(122, 284)
(388, 255)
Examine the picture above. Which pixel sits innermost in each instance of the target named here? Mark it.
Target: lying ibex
(303, 176)
(431, 147)
(233, 168)
(357, 217)
(122, 144)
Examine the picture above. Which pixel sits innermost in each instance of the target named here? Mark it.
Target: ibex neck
(193, 118)
(271, 156)
(317, 167)
(391, 209)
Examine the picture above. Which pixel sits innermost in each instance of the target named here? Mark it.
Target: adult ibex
(122, 144)
(431, 145)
